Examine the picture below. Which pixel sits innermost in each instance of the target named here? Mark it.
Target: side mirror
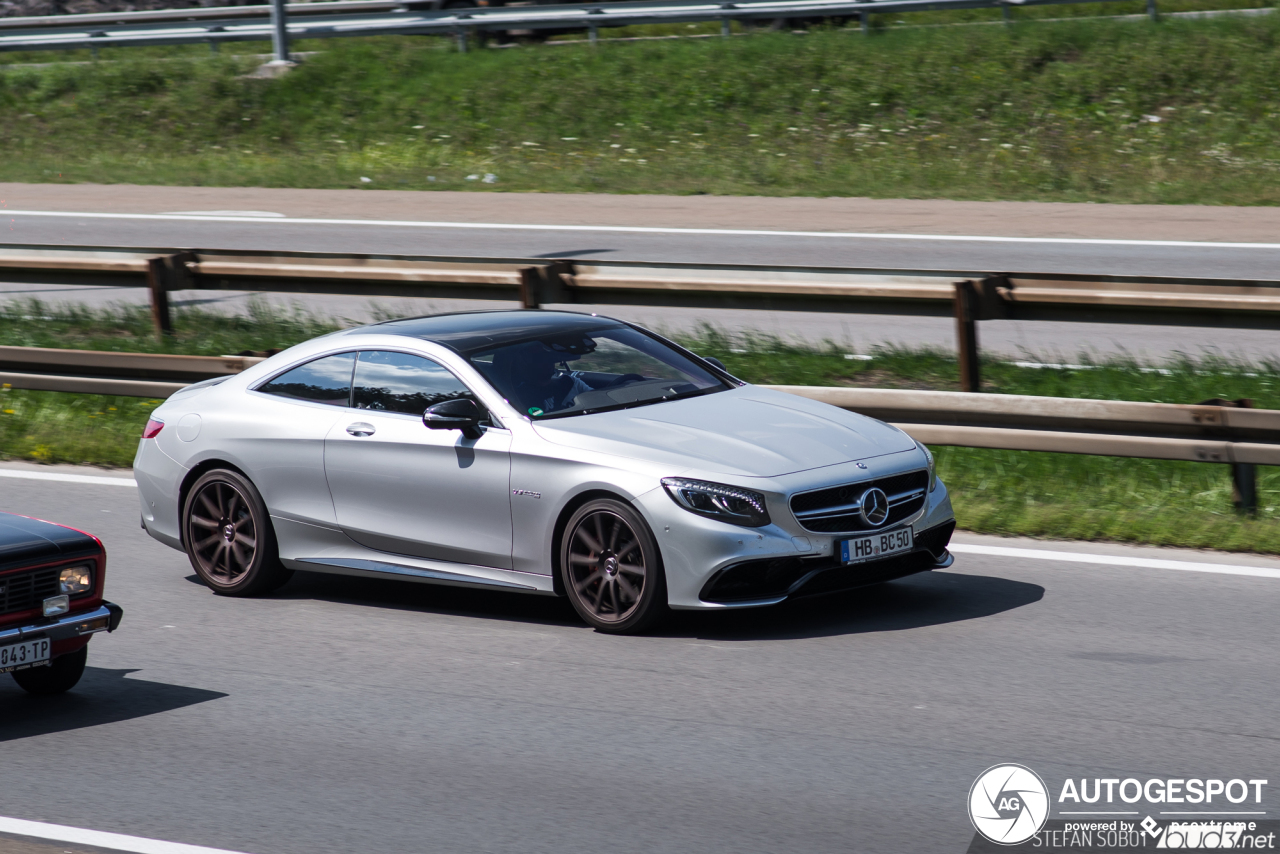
(716, 362)
(461, 414)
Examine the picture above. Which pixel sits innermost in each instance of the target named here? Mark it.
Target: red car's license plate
(26, 654)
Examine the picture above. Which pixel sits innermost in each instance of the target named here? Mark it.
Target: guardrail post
(279, 32)
(164, 274)
(1151, 10)
(967, 312)
(1244, 487)
(724, 22)
(1244, 476)
(461, 38)
(542, 285)
(531, 287)
(158, 281)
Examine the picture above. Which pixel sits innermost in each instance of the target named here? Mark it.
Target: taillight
(152, 429)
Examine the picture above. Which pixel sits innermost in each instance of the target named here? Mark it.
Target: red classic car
(50, 602)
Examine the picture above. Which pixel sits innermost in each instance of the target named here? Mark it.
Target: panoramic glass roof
(468, 332)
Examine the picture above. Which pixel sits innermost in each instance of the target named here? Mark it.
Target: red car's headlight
(75, 580)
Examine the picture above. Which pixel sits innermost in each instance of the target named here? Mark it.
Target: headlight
(933, 473)
(75, 580)
(717, 501)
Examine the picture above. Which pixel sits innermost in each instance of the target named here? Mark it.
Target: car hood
(25, 541)
(748, 431)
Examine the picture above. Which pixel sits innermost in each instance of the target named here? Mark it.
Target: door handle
(360, 428)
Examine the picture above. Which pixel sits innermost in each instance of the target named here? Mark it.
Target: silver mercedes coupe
(534, 451)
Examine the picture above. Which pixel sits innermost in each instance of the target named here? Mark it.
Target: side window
(325, 380)
(399, 382)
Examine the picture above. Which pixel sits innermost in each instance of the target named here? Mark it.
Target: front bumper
(696, 550)
(769, 581)
(105, 618)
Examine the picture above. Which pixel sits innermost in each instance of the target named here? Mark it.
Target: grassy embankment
(1052, 111)
(1008, 492)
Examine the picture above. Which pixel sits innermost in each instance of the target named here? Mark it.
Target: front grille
(835, 510)
(22, 591)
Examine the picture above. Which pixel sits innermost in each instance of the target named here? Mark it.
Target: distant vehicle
(536, 451)
(51, 603)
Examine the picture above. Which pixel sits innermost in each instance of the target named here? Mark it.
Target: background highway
(345, 715)
(573, 238)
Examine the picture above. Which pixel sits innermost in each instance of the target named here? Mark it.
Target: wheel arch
(562, 521)
(196, 472)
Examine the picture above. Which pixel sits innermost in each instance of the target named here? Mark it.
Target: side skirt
(316, 548)
(364, 568)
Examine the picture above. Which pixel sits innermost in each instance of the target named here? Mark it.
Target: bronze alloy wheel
(611, 569)
(228, 538)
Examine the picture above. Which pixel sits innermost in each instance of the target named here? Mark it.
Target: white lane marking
(254, 214)
(1116, 560)
(637, 229)
(67, 478)
(100, 839)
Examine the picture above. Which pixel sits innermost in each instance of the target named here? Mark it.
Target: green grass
(1004, 492)
(31, 323)
(1049, 111)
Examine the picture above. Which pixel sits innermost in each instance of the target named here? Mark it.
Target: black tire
(228, 536)
(611, 569)
(62, 675)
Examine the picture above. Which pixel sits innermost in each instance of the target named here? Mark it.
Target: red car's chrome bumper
(105, 618)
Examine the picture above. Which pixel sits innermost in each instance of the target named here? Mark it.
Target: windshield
(574, 373)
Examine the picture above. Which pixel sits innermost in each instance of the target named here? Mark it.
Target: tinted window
(326, 380)
(399, 382)
(571, 373)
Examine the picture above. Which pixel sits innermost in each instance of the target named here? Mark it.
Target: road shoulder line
(101, 839)
(63, 477)
(1115, 560)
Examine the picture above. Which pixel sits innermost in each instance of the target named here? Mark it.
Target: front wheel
(611, 569)
(62, 675)
(229, 537)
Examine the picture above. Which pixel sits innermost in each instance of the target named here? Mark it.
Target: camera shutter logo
(1008, 804)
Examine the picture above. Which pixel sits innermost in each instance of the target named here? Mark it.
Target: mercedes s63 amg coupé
(538, 451)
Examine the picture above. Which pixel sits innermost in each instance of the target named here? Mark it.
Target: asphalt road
(346, 715)
(859, 333)
(695, 246)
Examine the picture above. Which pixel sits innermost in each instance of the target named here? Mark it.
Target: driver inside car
(537, 378)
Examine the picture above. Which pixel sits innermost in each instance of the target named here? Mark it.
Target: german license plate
(27, 654)
(875, 546)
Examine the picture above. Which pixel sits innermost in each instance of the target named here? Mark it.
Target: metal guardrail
(1216, 432)
(969, 296)
(374, 17)
(1207, 433)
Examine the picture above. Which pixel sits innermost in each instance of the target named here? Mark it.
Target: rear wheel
(229, 537)
(611, 569)
(62, 675)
